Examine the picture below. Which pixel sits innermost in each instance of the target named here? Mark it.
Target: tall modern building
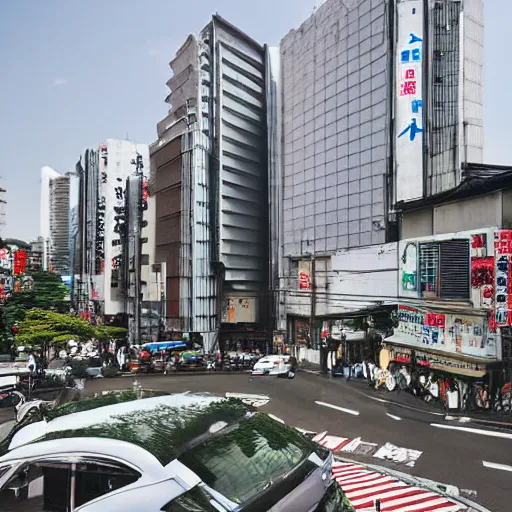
(381, 104)
(54, 220)
(209, 178)
(100, 280)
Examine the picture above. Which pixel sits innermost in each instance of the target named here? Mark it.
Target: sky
(75, 73)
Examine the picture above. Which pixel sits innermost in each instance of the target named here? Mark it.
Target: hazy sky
(75, 72)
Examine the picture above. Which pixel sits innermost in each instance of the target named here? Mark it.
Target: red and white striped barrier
(363, 487)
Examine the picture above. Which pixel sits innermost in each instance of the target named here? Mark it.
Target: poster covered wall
(482, 273)
(503, 274)
(462, 334)
(409, 101)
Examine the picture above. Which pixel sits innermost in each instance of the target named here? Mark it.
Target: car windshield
(162, 431)
(243, 460)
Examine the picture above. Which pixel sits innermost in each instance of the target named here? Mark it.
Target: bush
(95, 362)
(109, 332)
(109, 373)
(52, 381)
(78, 369)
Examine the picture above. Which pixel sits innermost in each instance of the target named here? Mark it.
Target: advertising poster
(20, 261)
(305, 274)
(482, 281)
(409, 267)
(239, 310)
(502, 261)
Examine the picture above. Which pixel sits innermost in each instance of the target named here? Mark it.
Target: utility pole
(137, 226)
(312, 335)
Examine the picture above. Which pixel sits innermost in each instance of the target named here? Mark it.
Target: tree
(48, 293)
(108, 332)
(42, 327)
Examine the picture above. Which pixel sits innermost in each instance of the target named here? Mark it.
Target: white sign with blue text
(409, 101)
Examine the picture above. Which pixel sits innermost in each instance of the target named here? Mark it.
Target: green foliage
(163, 431)
(51, 381)
(109, 373)
(48, 293)
(88, 404)
(105, 333)
(63, 338)
(42, 327)
(78, 369)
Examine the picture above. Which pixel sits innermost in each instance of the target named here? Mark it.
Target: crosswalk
(363, 487)
(357, 446)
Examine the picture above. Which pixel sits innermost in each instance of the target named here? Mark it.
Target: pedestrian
(177, 362)
(32, 363)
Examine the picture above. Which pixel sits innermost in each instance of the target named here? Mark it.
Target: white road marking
(305, 432)
(342, 409)
(393, 416)
(397, 454)
(378, 399)
(493, 465)
(488, 433)
(276, 418)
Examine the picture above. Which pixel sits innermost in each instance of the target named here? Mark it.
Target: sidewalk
(407, 400)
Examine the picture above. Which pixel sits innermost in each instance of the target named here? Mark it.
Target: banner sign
(503, 274)
(409, 101)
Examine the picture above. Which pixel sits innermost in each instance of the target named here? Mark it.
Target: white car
(174, 453)
(278, 365)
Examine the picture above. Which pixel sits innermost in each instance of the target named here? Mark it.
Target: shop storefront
(435, 361)
(298, 331)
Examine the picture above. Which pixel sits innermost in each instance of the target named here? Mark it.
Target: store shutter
(454, 271)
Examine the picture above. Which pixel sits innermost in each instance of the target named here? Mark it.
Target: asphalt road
(449, 455)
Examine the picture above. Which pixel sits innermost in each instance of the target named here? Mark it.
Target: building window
(444, 270)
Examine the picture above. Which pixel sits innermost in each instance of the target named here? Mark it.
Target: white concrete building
(54, 220)
(372, 118)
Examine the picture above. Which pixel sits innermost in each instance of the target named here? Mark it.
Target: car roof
(162, 425)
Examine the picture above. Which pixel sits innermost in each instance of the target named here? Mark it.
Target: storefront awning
(441, 360)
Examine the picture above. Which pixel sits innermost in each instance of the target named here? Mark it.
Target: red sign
(20, 261)
(482, 271)
(145, 191)
(410, 74)
(408, 88)
(304, 282)
(433, 320)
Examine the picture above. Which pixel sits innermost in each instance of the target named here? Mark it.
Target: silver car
(175, 453)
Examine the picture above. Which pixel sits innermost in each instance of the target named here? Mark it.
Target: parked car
(177, 452)
(277, 365)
